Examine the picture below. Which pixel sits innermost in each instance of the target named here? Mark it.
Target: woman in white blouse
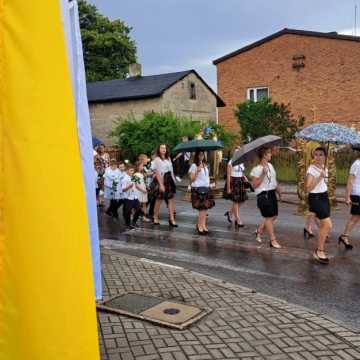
(316, 186)
(165, 184)
(235, 190)
(353, 199)
(201, 197)
(266, 188)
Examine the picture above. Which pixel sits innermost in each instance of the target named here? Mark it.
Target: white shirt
(237, 170)
(131, 193)
(269, 182)
(202, 177)
(315, 172)
(141, 185)
(112, 183)
(355, 171)
(163, 166)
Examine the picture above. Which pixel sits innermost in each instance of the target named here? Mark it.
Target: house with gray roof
(184, 93)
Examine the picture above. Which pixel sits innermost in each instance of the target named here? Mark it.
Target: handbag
(202, 191)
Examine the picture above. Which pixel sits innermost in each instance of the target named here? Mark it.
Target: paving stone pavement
(243, 324)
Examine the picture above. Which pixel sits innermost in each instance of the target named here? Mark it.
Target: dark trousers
(129, 206)
(114, 207)
(152, 201)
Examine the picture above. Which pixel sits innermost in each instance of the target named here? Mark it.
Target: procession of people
(142, 188)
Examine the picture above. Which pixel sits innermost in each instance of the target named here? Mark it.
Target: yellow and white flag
(47, 302)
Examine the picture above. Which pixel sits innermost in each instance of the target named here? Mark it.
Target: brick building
(318, 74)
(184, 93)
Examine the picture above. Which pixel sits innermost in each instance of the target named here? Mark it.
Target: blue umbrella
(96, 141)
(330, 133)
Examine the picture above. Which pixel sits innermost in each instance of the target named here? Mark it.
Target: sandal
(345, 240)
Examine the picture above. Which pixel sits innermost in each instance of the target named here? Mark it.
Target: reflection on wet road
(234, 255)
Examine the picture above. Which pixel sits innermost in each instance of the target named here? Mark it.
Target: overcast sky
(175, 35)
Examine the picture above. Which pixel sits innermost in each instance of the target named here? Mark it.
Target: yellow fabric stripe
(47, 296)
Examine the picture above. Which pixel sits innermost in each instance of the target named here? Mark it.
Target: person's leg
(127, 212)
(171, 208)
(354, 219)
(137, 210)
(152, 201)
(201, 219)
(205, 219)
(324, 230)
(157, 210)
(269, 225)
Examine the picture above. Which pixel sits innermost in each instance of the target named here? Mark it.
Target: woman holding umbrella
(165, 184)
(235, 190)
(316, 186)
(266, 188)
(201, 197)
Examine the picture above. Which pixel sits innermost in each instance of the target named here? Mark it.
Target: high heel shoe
(238, 224)
(308, 234)
(258, 236)
(172, 223)
(275, 244)
(199, 231)
(322, 260)
(227, 214)
(345, 240)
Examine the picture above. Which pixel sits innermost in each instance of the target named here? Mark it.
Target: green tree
(264, 117)
(108, 47)
(143, 136)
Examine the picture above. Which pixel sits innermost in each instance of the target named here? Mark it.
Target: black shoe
(206, 231)
(227, 214)
(135, 225)
(239, 224)
(173, 224)
(130, 227)
(345, 240)
(308, 234)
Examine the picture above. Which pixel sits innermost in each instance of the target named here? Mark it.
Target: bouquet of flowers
(114, 187)
(135, 179)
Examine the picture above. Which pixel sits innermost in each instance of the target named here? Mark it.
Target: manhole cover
(134, 303)
(171, 311)
(156, 310)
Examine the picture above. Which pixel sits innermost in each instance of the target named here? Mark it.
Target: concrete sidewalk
(242, 325)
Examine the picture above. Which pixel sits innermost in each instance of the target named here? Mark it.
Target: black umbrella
(248, 151)
(193, 145)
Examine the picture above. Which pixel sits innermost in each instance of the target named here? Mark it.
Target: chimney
(134, 70)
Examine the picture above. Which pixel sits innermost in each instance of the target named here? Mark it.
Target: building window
(192, 91)
(257, 94)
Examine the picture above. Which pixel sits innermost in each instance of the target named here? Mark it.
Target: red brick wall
(329, 82)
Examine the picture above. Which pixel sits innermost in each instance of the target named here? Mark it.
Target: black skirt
(268, 204)
(238, 190)
(319, 204)
(201, 200)
(169, 185)
(355, 205)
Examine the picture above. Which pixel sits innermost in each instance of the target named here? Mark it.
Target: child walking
(131, 201)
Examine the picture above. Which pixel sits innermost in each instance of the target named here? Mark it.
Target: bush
(262, 118)
(143, 136)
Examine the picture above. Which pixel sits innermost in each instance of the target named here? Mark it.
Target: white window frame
(255, 92)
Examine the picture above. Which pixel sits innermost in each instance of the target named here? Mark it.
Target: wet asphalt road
(235, 256)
